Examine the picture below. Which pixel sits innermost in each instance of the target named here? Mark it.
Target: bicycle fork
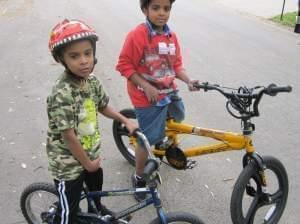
(261, 167)
(263, 197)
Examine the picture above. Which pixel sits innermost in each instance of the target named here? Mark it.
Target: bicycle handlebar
(151, 164)
(241, 99)
(272, 89)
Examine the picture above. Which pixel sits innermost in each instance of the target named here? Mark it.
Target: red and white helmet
(68, 31)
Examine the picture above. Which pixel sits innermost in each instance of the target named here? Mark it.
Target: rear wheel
(125, 143)
(251, 203)
(39, 203)
(179, 217)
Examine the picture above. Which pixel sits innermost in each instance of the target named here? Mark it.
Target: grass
(288, 19)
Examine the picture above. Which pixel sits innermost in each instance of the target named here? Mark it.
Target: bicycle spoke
(276, 197)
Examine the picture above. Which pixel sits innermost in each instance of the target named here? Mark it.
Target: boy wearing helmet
(73, 141)
(150, 60)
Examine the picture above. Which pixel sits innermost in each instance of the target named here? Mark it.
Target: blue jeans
(152, 119)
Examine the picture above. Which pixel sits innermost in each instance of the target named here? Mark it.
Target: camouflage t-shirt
(73, 104)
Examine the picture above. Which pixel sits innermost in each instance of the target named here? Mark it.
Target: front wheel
(39, 203)
(253, 203)
(179, 217)
(125, 143)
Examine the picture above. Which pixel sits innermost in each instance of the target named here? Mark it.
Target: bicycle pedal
(191, 164)
(126, 220)
(122, 221)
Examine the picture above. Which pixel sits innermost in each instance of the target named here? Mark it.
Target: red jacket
(157, 58)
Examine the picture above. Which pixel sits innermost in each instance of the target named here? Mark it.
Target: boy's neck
(155, 30)
(77, 79)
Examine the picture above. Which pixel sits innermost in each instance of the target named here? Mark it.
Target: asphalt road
(219, 45)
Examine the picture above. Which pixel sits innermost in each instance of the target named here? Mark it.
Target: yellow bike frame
(227, 141)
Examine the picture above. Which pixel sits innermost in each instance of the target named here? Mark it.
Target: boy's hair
(145, 3)
(67, 32)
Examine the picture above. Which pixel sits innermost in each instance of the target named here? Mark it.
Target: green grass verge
(288, 19)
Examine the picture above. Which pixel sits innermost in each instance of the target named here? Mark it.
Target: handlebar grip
(150, 167)
(205, 86)
(272, 89)
(198, 85)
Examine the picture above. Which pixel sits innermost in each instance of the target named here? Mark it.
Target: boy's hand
(191, 85)
(151, 93)
(131, 126)
(93, 165)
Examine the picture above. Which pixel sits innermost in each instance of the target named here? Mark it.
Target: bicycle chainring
(176, 158)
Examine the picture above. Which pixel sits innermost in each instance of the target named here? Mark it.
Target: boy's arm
(78, 152)
(109, 112)
(179, 70)
(185, 78)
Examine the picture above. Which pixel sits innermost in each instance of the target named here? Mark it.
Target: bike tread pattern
(129, 113)
(182, 217)
(39, 186)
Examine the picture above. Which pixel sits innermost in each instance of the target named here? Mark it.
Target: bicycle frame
(227, 141)
(154, 199)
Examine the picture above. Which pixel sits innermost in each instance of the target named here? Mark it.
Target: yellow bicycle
(253, 187)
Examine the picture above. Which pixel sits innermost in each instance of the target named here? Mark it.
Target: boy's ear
(59, 59)
(145, 11)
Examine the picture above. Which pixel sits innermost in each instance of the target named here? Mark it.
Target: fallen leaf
(228, 179)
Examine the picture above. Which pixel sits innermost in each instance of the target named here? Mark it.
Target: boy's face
(79, 58)
(158, 12)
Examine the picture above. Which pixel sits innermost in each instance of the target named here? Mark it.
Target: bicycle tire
(182, 217)
(120, 135)
(279, 197)
(31, 212)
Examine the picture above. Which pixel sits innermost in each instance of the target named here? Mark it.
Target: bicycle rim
(38, 203)
(248, 198)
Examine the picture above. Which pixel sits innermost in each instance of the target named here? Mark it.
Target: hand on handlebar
(192, 85)
(131, 126)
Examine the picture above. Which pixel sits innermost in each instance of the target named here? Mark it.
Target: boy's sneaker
(105, 211)
(138, 183)
(123, 220)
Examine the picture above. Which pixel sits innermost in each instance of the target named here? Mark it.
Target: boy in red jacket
(150, 61)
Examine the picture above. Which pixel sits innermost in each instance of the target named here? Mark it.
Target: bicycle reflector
(176, 158)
